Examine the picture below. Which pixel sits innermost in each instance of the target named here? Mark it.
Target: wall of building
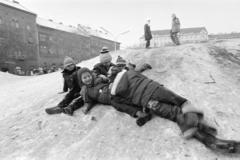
(184, 38)
(18, 34)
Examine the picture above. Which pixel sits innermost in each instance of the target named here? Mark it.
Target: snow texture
(206, 74)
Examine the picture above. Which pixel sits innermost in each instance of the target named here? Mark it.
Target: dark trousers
(147, 43)
(174, 38)
(164, 95)
(122, 105)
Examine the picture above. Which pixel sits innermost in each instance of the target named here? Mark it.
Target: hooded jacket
(134, 87)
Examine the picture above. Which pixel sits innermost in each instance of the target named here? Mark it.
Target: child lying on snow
(151, 95)
(96, 90)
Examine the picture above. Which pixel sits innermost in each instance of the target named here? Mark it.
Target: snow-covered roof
(98, 33)
(15, 4)
(60, 26)
(182, 30)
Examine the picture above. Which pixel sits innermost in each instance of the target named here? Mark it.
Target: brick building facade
(18, 35)
(28, 42)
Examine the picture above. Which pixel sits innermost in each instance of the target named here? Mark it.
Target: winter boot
(206, 128)
(54, 110)
(142, 120)
(74, 105)
(70, 109)
(225, 146)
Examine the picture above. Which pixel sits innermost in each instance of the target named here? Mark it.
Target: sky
(119, 16)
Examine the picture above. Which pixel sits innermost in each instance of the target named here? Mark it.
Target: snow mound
(206, 74)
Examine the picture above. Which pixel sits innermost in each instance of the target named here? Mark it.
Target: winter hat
(80, 72)
(120, 60)
(67, 61)
(105, 56)
(147, 19)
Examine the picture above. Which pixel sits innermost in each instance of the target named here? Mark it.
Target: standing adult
(175, 29)
(147, 32)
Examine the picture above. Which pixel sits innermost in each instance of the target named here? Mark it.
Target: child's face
(106, 64)
(70, 67)
(86, 78)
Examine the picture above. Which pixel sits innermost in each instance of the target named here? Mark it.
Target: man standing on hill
(175, 29)
(147, 32)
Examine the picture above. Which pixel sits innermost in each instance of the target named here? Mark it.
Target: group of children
(129, 91)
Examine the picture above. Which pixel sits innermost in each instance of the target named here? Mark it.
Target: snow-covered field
(207, 74)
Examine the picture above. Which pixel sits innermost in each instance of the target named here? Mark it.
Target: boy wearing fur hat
(72, 101)
(175, 29)
(101, 69)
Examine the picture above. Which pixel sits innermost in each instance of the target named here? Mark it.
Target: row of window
(15, 23)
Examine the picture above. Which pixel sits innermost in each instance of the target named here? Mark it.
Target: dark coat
(67, 78)
(74, 90)
(99, 69)
(175, 25)
(134, 87)
(100, 93)
(147, 32)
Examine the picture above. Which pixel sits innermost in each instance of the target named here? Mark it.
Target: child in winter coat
(96, 90)
(151, 95)
(72, 101)
(101, 69)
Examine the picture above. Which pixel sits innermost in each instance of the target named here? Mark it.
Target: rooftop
(60, 26)
(15, 4)
(183, 30)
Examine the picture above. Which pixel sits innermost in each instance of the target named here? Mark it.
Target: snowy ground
(207, 74)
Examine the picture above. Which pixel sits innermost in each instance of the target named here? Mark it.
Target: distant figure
(147, 32)
(175, 29)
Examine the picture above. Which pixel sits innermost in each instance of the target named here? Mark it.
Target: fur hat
(121, 61)
(67, 61)
(105, 56)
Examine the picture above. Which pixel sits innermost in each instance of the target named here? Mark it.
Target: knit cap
(120, 61)
(67, 61)
(105, 56)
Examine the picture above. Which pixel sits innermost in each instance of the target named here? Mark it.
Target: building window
(51, 39)
(52, 50)
(17, 24)
(28, 27)
(13, 22)
(43, 49)
(42, 37)
(30, 39)
(1, 20)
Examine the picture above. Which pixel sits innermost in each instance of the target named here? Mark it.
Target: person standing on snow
(147, 32)
(72, 101)
(175, 29)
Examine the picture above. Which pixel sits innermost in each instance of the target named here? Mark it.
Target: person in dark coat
(147, 32)
(101, 69)
(72, 101)
(96, 90)
(144, 92)
(67, 73)
(175, 29)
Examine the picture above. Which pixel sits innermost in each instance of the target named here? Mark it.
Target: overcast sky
(118, 16)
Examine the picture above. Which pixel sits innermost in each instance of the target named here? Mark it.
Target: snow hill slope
(206, 74)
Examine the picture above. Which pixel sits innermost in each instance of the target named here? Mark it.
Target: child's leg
(125, 108)
(165, 95)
